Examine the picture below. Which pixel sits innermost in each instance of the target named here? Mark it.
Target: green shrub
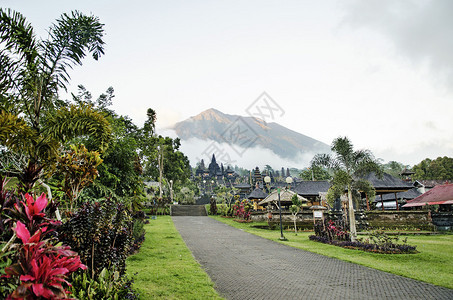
(222, 209)
(213, 207)
(108, 285)
(102, 234)
(138, 235)
(7, 285)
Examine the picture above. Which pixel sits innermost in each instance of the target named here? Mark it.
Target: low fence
(389, 220)
(304, 219)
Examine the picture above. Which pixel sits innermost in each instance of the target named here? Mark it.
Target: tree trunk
(352, 228)
(367, 202)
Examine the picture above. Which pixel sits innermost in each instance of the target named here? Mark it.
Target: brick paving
(245, 266)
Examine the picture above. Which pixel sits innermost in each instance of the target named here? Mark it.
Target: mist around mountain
(244, 141)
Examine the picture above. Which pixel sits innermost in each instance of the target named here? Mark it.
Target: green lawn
(165, 268)
(433, 263)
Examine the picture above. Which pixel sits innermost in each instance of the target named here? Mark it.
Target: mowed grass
(433, 263)
(165, 268)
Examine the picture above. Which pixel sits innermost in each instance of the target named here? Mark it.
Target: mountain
(243, 133)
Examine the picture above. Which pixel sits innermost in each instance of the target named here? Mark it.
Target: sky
(379, 72)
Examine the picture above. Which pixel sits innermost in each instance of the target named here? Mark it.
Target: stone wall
(443, 220)
(304, 219)
(403, 220)
(396, 220)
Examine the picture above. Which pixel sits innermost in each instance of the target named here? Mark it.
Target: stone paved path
(244, 266)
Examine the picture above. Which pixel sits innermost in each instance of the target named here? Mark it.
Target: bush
(222, 209)
(7, 202)
(186, 196)
(241, 209)
(365, 246)
(138, 236)
(334, 233)
(213, 207)
(332, 230)
(102, 234)
(108, 285)
(40, 266)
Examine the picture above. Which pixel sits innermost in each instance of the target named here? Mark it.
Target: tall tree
(33, 70)
(315, 173)
(394, 168)
(268, 170)
(348, 167)
(439, 169)
(31, 73)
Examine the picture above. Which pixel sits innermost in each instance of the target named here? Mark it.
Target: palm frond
(71, 38)
(322, 160)
(14, 132)
(17, 36)
(18, 55)
(68, 123)
(365, 163)
(343, 148)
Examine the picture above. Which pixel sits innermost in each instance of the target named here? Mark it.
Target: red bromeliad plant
(41, 268)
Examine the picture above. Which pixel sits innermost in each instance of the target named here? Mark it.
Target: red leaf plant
(32, 213)
(42, 268)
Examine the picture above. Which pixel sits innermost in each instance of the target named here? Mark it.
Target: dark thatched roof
(243, 186)
(257, 194)
(388, 183)
(311, 188)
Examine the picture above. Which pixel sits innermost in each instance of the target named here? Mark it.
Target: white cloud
(196, 150)
(420, 31)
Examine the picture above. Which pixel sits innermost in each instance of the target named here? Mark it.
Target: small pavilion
(256, 196)
(311, 190)
(388, 185)
(285, 198)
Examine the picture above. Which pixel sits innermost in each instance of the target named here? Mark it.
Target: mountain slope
(247, 132)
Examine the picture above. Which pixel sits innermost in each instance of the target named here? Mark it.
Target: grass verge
(165, 268)
(433, 263)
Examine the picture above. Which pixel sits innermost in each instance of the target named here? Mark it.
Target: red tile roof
(440, 194)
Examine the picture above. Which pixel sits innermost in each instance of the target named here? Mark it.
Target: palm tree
(348, 167)
(33, 124)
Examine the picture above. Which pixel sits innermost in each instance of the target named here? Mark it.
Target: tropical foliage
(102, 235)
(66, 144)
(335, 233)
(394, 168)
(294, 209)
(242, 209)
(440, 168)
(78, 167)
(108, 285)
(32, 70)
(186, 196)
(41, 266)
(315, 173)
(348, 168)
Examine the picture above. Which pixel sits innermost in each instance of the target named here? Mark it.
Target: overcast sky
(379, 72)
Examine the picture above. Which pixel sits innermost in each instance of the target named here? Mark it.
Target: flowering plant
(332, 230)
(242, 209)
(41, 267)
